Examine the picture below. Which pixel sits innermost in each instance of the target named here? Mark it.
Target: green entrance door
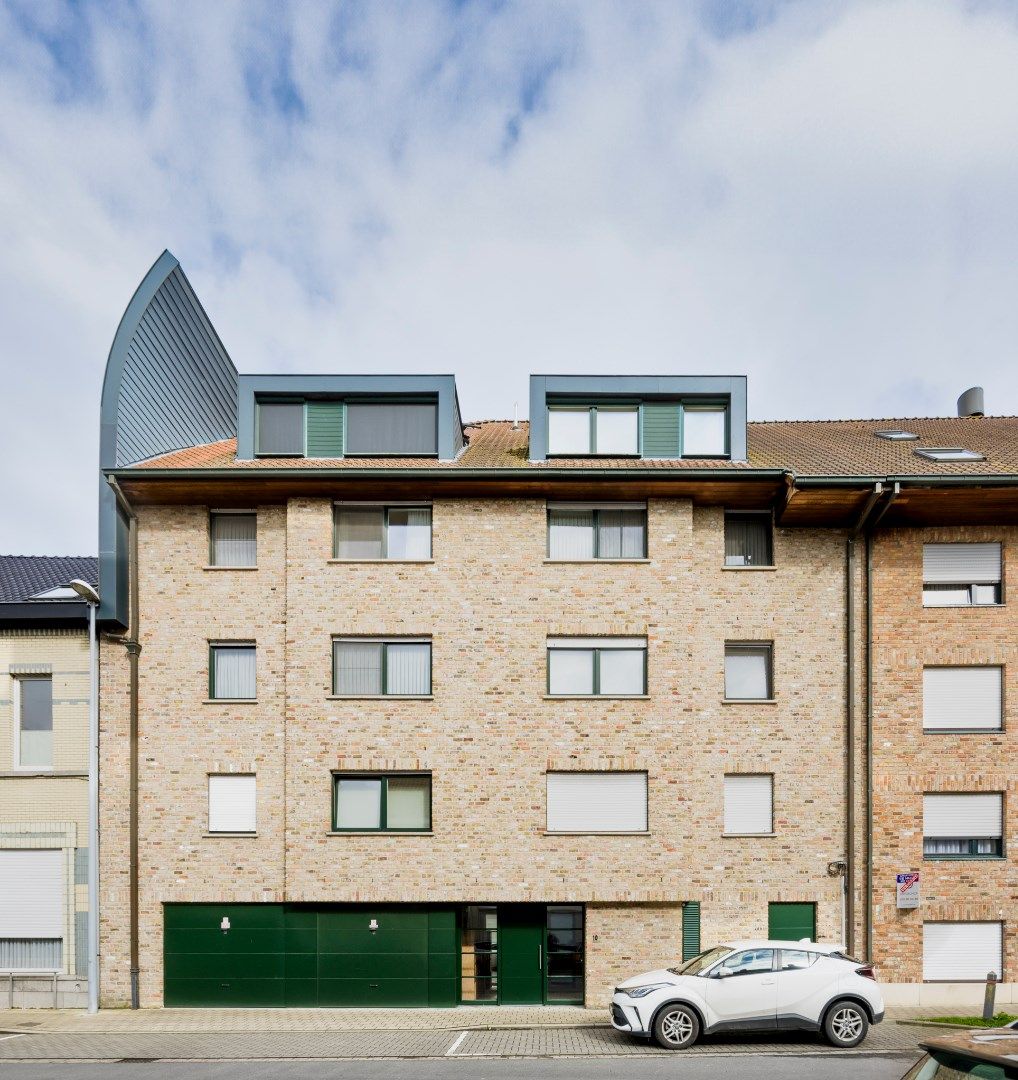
(521, 953)
(791, 922)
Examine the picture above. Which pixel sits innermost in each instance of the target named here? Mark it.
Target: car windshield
(702, 961)
(941, 1065)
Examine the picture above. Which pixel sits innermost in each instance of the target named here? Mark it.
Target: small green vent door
(324, 429)
(690, 929)
(661, 429)
(791, 922)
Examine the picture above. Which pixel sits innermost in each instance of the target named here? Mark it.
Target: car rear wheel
(676, 1027)
(845, 1024)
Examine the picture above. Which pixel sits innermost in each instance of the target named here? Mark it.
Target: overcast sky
(822, 196)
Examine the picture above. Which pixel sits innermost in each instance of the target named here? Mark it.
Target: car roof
(775, 943)
(996, 1045)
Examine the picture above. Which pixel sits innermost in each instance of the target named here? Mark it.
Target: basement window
(895, 435)
(948, 453)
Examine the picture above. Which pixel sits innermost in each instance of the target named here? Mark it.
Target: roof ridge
(883, 419)
(15, 556)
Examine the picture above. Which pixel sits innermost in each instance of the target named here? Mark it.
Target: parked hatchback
(985, 1053)
(752, 986)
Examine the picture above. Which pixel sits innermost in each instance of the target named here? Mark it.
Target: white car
(752, 986)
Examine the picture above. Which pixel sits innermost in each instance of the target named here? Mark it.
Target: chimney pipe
(971, 402)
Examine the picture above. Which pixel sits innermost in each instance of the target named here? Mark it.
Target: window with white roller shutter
(597, 802)
(749, 805)
(32, 902)
(962, 951)
(963, 824)
(962, 698)
(961, 575)
(232, 803)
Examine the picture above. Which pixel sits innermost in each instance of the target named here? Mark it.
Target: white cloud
(823, 201)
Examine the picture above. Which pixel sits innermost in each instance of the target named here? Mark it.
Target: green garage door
(791, 922)
(302, 954)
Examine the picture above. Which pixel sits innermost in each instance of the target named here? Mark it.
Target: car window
(699, 963)
(946, 1066)
(796, 959)
(748, 962)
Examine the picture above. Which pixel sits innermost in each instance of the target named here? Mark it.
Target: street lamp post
(91, 597)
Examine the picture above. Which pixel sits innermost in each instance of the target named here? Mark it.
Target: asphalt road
(677, 1067)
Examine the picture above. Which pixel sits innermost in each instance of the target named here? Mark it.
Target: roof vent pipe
(971, 402)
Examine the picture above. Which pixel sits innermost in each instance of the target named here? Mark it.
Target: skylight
(948, 453)
(60, 592)
(895, 435)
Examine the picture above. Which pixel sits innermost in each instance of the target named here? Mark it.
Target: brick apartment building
(411, 712)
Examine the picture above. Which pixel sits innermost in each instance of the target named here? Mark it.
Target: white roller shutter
(962, 697)
(749, 804)
(961, 564)
(963, 816)
(597, 642)
(961, 952)
(232, 803)
(597, 802)
(31, 893)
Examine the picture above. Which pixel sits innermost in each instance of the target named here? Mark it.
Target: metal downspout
(133, 647)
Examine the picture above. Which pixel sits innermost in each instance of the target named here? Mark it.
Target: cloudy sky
(820, 195)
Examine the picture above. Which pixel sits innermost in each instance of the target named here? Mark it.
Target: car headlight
(642, 991)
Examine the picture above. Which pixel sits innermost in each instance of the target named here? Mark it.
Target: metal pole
(93, 817)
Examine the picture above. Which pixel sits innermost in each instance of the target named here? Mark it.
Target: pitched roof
(842, 448)
(25, 576)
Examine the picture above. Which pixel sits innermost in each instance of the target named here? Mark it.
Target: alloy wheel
(846, 1024)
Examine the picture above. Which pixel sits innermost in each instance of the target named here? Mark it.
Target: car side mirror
(724, 973)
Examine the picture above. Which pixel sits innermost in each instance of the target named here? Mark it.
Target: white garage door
(960, 951)
(31, 909)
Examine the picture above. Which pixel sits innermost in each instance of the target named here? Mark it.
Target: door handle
(768, 982)
(540, 957)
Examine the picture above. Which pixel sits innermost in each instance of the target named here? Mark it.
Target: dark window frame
(751, 517)
(384, 643)
(215, 646)
(706, 405)
(384, 777)
(393, 400)
(213, 514)
(596, 650)
(337, 508)
(596, 511)
(747, 646)
(259, 404)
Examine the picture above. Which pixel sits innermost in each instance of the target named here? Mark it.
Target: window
(371, 667)
(747, 962)
(232, 803)
(749, 805)
(599, 429)
(796, 959)
(479, 953)
(371, 803)
(962, 951)
(233, 538)
(232, 672)
(963, 825)
(32, 905)
(597, 802)
(281, 428)
(748, 539)
(391, 428)
(948, 453)
(895, 435)
(962, 699)
(748, 671)
(704, 431)
(583, 667)
(35, 722)
(382, 532)
(958, 575)
(589, 531)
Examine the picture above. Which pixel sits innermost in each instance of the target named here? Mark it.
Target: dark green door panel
(310, 955)
(521, 948)
(791, 922)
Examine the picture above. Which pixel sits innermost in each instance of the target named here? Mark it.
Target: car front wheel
(676, 1027)
(845, 1024)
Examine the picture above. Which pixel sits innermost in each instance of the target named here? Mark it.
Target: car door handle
(768, 982)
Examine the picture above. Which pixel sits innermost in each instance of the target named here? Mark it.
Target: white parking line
(451, 1052)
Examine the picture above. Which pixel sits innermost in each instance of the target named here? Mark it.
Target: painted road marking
(451, 1052)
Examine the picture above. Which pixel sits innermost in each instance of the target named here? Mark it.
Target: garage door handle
(540, 957)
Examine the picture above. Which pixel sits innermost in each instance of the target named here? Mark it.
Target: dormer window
(948, 453)
(704, 431)
(594, 429)
(281, 429)
(653, 429)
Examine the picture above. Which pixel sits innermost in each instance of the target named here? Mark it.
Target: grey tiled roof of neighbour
(24, 576)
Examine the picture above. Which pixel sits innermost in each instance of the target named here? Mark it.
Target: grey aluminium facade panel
(169, 383)
(443, 387)
(542, 387)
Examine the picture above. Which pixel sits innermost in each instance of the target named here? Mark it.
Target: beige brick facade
(489, 733)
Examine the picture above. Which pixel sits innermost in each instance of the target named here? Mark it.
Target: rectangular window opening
(749, 671)
(370, 667)
(34, 722)
(233, 538)
(749, 804)
(382, 532)
(397, 802)
(587, 667)
(232, 672)
(748, 539)
(583, 531)
(597, 801)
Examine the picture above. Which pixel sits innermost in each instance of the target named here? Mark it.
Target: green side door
(521, 954)
(791, 922)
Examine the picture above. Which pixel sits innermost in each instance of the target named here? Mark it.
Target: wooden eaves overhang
(797, 501)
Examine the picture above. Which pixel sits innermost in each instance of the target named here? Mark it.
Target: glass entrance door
(565, 954)
(479, 954)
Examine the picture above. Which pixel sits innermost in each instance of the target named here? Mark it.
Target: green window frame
(383, 779)
(598, 512)
(385, 509)
(705, 406)
(970, 846)
(384, 667)
(216, 647)
(597, 650)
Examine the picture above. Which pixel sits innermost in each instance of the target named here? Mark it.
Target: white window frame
(591, 412)
(16, 731)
